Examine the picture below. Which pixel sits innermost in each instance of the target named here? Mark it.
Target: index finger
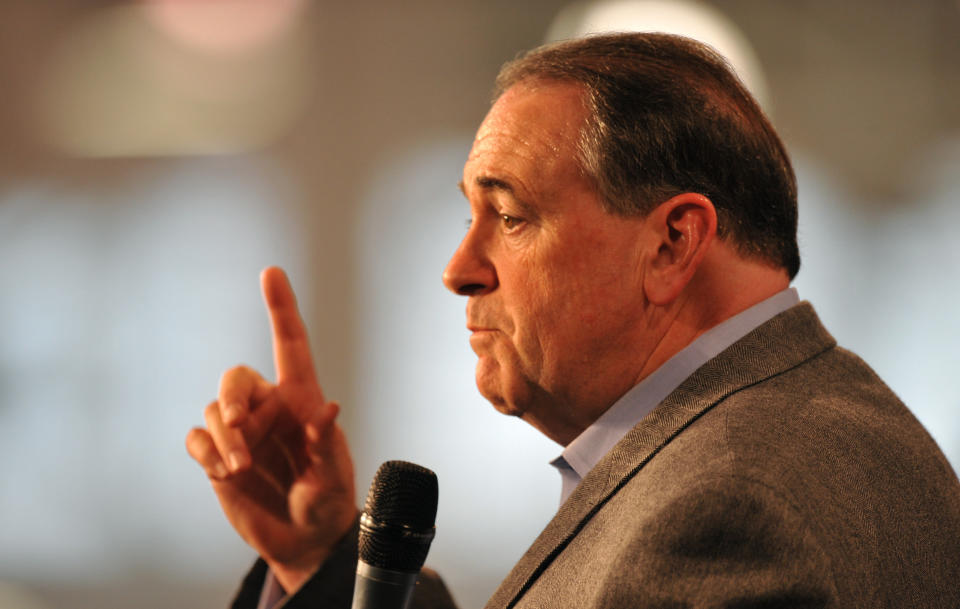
(291, 348)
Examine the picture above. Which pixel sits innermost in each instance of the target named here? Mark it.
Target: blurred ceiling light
(145, 79)
(686, 18)
(223, 25)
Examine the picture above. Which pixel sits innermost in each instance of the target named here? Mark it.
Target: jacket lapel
(784, 342)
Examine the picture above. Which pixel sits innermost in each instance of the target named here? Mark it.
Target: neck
(725, 285)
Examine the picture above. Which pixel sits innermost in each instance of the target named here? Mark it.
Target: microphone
(396, 528)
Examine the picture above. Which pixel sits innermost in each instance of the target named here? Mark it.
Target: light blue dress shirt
(589, 447)
(586, 450)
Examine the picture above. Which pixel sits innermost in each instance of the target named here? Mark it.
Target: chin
(492, 387)
(498, 400)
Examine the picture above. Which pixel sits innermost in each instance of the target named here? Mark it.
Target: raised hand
(277, 459)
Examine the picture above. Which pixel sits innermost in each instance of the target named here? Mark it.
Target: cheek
(583, 314)
(550, 330)
(579, 293)
(563, 297)
(605, 282)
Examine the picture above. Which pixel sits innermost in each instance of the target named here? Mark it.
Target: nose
(470, 271)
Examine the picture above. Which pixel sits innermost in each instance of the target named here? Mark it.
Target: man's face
(556, 307)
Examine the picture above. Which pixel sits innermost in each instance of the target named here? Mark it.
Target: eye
(509, 222)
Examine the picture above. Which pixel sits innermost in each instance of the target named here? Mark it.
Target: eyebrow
(490, 183)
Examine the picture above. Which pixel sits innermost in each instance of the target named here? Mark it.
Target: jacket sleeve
(727, 544)
(331, 587)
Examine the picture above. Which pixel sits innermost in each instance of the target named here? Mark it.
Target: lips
(481, 338)
(478, 320)
(478, 323)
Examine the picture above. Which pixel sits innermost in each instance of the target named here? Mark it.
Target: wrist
(293, 574)
(292, 577)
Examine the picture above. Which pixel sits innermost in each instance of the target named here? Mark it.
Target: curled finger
(241, 389)
(200, 446)
(229, 441)
(319, 429)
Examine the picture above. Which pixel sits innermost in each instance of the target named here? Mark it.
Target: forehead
(532, 130)
(540, 109)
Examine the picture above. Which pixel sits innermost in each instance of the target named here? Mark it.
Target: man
(627, 270)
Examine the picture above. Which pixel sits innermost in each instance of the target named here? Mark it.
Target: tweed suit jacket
(782, 473)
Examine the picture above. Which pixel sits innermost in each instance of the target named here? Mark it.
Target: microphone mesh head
(398, 522)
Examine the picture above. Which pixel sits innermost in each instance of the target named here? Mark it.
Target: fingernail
(220, 471)
(237, 460)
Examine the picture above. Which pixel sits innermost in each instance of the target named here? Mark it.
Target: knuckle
(196, 443)
(231, 374)
(239, 375)
(211, 413)
(191, 440)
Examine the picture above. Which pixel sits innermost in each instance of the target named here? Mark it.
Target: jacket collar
(784, 342)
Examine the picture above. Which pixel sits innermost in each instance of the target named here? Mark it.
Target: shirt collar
(583, 453)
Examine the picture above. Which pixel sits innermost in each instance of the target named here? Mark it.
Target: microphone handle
(377, 588)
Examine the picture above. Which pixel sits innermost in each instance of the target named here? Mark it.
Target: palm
(287, 503)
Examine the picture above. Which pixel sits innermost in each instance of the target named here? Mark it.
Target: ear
(684, 227)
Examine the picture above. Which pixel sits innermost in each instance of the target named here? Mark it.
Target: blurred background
(156, 155)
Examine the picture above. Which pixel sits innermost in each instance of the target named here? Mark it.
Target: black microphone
(396, 528)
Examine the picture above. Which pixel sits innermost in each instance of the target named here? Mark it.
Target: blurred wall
(130, 281)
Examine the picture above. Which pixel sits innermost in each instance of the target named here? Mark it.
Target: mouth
(480, 338)
(478, 333)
